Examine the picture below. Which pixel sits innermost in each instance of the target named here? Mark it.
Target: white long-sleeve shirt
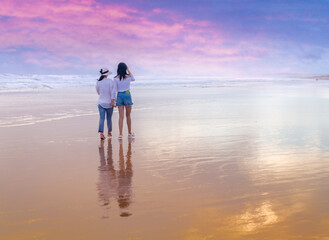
(104, 89)
(121, 85)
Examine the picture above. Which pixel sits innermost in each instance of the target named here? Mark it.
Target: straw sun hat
(105, 71)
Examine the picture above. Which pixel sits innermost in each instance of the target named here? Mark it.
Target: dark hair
(101, 77)
(122, 70)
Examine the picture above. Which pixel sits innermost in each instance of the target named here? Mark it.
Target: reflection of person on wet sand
(124, 180)
(107, 184)
(115, 183)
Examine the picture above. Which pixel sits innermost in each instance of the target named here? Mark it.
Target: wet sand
(207, 163)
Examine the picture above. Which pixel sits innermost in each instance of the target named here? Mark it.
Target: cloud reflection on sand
(256, 218)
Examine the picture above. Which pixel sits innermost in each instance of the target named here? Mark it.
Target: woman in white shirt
(104, 87)
(121, 92)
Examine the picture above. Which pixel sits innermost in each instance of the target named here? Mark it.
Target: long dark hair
(122, 70)
(101, 77)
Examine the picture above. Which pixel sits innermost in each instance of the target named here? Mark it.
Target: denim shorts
(124, 99)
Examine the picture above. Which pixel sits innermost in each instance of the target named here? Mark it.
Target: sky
(165, 38)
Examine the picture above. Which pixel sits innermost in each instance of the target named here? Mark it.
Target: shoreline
(22, 87)
(320, 78)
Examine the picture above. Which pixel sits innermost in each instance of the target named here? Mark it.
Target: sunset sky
(172, 37)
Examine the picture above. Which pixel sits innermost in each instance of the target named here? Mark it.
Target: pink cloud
(158, 10)
(95, 33)
(197, 23)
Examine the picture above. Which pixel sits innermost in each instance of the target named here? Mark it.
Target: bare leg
(128, 111)
(121, 116)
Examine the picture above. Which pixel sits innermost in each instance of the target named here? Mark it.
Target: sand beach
(230, 162)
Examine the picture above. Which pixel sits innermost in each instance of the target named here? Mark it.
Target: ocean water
(16, 82)
(17, 91)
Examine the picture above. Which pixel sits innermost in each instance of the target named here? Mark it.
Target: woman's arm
(114, 92)
(130, 75)
(111, 88)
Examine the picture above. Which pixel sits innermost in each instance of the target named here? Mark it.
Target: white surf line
(30, 120)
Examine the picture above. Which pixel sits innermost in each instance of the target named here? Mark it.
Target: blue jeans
(102, 112)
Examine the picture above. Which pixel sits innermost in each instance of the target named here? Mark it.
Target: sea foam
(21, 82)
